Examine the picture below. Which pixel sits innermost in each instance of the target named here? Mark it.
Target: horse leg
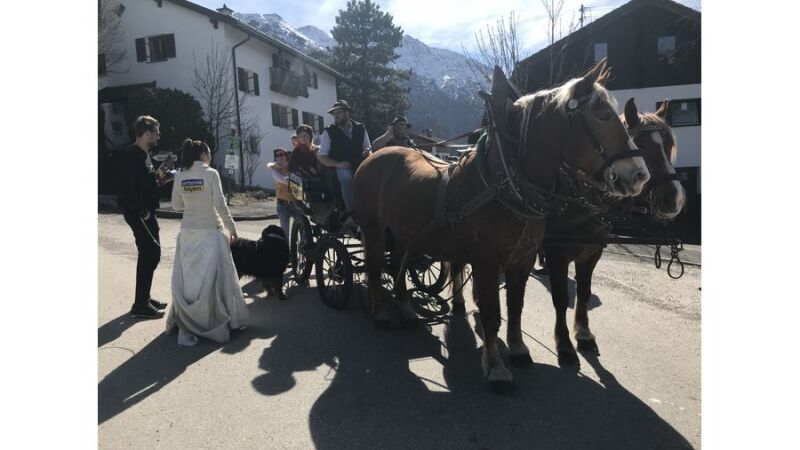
(457, 287)
(558, 268)
(408, 317)
(583, 279)
(374, 248)
(487, 297)
(516, 279)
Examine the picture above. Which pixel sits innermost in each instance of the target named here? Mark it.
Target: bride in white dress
(207, 300)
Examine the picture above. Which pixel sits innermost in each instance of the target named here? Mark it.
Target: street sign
(231, 161)
(233, 141)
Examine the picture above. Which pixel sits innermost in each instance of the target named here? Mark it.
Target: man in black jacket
(138, 198)
(343, 146)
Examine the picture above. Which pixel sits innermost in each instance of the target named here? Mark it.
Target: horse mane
(654, 119)
(558, 98)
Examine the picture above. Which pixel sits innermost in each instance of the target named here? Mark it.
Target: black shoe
(157, 304)
(146, 312)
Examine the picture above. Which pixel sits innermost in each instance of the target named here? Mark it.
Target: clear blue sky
(439, 23)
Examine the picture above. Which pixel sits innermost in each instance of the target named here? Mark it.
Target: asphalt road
(306, 376)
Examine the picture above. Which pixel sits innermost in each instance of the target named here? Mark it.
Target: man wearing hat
(342, 146)
(397, 134)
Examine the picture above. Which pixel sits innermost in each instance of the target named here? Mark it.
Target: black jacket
(137, 189)
(345, 148)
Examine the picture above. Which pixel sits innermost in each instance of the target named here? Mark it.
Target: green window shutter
(255, 83)
(169, 46)
(276, 115)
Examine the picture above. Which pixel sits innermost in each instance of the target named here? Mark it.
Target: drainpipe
(238, 119)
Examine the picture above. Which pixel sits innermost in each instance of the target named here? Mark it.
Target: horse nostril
(640, 177)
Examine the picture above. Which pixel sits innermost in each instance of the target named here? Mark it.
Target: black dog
(265, 259)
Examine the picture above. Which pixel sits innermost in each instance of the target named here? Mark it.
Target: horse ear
(662, 110)
(604, 76)
(502, 88)
(631, 113)
(594, 73)
(503, 93)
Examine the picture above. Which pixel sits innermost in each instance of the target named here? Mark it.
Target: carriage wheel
(427, 275)
(301, 244)
(334, 273)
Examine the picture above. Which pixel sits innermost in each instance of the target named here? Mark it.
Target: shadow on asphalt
(594, 301)
(375, 400)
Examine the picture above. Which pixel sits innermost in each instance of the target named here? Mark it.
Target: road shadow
(594, 300)
(161, 361)
(113, 329)
(376, 400)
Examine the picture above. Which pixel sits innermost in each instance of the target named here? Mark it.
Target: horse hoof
(502, 387)
(459, 308)
(568, 359)
(409, 324)
(382, 324)
(588, 345)
(520, 360)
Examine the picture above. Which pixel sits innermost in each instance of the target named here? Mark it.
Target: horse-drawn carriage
(319, 241)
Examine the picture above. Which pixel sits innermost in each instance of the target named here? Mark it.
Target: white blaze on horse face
(680, 192)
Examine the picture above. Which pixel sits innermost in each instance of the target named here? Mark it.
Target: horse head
(655, 138)
(574, 125)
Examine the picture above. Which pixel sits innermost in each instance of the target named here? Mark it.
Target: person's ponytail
(191, 151)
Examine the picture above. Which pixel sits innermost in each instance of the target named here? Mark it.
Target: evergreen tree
(180, 115)
(366, 39)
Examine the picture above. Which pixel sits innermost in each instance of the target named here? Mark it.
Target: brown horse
(490, 213)
(664, 197)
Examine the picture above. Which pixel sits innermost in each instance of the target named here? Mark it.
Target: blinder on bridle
(605, 174)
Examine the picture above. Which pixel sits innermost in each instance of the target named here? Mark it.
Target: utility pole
(582, 10)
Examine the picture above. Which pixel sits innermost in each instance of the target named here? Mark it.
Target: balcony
(287, 82)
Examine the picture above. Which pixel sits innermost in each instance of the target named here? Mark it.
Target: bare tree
(251, 154)
(214, 85)
(110, 49)
(500, 45)
(555, 33)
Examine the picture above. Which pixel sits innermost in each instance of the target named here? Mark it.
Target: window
(683, 113)
(276, 60)
(600, 50)
(248, 81)
(281, 116)
(314, 121)
(101, 63)
(155, 48)
(666, 48)
(314, 80)
(254, 142)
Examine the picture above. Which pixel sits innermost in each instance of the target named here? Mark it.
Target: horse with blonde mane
(489, 210)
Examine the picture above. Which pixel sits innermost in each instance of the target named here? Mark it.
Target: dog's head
(273, 232)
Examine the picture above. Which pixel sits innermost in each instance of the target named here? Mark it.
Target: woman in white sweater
(207, 300)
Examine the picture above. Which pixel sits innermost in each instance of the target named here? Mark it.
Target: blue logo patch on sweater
(193, 185)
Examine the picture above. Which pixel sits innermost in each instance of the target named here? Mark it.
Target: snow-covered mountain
(442, 95)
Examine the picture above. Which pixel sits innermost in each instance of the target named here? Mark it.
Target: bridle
(605, 175)
(656, 180)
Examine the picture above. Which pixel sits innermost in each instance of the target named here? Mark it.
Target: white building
(281, 88)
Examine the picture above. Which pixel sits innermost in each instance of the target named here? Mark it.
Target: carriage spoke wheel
(301, 244)
(334, 273)
(427, 275)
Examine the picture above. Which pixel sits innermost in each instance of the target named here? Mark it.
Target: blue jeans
(285, 211)
(345, 177)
